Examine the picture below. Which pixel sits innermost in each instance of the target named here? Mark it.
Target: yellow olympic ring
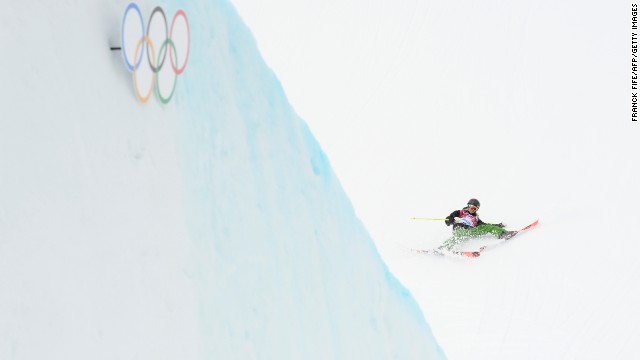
(144, 99)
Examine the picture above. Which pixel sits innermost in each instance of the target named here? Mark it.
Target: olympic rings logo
(137, 41)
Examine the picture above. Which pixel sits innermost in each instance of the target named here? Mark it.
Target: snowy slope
(212, 227)
(525, 105)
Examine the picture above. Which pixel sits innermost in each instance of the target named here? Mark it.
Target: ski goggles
(472, 207)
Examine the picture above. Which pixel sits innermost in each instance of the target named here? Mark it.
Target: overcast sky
(423, 104)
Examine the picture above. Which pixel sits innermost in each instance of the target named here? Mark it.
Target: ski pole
(419, 218)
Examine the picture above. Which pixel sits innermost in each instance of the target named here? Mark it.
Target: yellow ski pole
(422, 218)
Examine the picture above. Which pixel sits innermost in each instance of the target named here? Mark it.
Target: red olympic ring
(173, 22)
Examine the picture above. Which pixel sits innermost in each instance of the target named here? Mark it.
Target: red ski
(451, 253)
(472, 254)
(508, 236)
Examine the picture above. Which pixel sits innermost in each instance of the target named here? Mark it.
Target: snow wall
(212, 227)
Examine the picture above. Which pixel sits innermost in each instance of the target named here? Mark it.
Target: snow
(212, 227)
(421, 105)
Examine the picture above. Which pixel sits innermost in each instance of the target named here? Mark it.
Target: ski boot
(507, 235)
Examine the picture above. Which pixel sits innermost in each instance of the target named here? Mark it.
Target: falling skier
(467, 225)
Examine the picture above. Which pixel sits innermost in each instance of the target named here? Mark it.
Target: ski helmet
(474, 202)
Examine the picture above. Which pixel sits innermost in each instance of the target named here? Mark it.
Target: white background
(525, 105)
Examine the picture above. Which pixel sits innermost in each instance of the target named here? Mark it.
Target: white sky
(414, 100)
(525, 105)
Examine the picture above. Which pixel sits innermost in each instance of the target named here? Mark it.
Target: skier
(467, 224)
